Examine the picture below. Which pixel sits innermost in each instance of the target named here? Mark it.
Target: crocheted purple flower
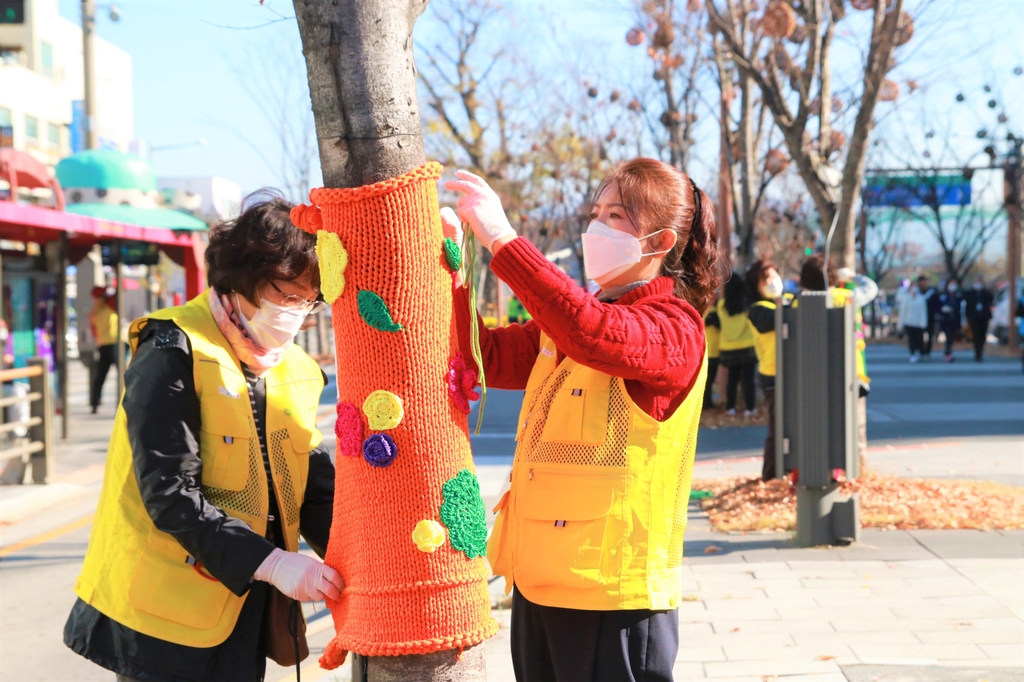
(380, 450)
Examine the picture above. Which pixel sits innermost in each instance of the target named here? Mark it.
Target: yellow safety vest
(142, 577)
(736, 334)
(595, 515)
(713, 336)
(104, 321)
(764, 344)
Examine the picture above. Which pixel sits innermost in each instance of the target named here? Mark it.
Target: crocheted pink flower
(349, 430)
(462, 383)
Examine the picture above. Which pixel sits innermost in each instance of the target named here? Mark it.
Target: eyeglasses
(298, 303)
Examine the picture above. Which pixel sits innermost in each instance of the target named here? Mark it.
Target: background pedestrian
(737, 352)
(978, 308)
(764, 287)
(947, 315)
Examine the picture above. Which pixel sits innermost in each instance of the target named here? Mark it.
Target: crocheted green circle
(464, 515)
(375, 313)
(452, 254)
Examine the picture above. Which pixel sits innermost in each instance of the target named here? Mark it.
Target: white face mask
(607, 253)
(272, 325)
(773, 287)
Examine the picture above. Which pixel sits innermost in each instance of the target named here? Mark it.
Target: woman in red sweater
(590, 532)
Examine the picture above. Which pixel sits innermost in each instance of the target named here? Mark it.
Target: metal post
(89, 62)
(119, 273)
(42, 462)
(61, 344)
(1012, 187)
(781, 333)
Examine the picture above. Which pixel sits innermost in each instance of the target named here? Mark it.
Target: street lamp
(89, 62)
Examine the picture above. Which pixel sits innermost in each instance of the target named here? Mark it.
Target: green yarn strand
(375, 313)
(469, 248)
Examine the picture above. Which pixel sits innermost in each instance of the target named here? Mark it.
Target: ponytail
(694, 262)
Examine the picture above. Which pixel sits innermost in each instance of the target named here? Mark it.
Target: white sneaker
(731, 413)
(915, 357)
(749, 414)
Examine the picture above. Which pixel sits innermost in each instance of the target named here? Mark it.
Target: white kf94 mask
(607, 253)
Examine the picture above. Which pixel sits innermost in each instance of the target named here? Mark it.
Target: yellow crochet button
(383, 409)
(333, 261)
(673, 602)
(428, 535)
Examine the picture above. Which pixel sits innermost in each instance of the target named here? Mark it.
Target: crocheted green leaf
(452, 254)
(464, 515)
(375, 313)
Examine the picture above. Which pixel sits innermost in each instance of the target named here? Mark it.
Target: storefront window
(46, 59)
(31, 127)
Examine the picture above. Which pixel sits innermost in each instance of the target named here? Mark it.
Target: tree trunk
(362, 82)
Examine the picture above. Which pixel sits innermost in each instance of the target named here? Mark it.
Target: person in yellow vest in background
(764, 287)
(105, 326)
(214, 469)
(590, 533)
(713, 334)
(848, 288)
(736, 346)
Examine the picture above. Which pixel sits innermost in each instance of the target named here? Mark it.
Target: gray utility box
(816, 395)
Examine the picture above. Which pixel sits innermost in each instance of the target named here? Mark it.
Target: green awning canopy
(146, 217)
(106, 169)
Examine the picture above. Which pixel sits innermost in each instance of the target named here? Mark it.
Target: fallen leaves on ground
(749, 504)
(717, 417)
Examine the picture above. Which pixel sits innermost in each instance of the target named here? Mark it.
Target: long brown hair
(657, 196)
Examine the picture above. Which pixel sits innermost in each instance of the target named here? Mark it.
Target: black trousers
(926, 348)
(915, 339)
(108, 357)
(710, 385)
(551, 644)
(979, 331)
(951, 332)
(768, 466)
(737, 374)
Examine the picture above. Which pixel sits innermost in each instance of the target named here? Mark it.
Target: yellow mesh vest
(596, 512)
(736, 331)
(764, 344)
(143, 578)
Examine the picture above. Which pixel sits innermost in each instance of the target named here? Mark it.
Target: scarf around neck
(249, 353)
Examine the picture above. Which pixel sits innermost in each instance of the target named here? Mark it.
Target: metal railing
(37, 439)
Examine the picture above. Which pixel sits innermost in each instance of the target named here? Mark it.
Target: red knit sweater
(649, 337)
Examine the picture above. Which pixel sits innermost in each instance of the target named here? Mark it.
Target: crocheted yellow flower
(428, 535)
(383, 410)
(333, 261)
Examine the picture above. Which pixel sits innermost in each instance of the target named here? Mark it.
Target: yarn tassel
(469, 258)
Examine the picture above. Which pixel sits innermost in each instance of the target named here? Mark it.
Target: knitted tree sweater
(649, 337)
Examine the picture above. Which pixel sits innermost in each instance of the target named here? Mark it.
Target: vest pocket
(565, 534)
(579, 411)
(225, 460)
(167, 585)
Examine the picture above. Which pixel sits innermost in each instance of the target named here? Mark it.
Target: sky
(193, 71)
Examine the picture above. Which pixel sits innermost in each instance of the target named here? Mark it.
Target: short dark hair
(735, 294)
(811, 277)
(259, 246)
(754, 275)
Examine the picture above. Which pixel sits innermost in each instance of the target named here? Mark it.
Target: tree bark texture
(362, 83)
(414, 606)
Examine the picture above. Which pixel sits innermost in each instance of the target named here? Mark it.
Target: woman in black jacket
(214, 469)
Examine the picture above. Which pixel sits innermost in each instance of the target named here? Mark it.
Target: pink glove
(299, 576)
(452, 229)
(481, 208)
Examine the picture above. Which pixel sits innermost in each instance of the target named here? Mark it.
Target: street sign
(906, 191)
(132, 253)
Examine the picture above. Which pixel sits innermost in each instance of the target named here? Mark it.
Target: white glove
(451, 227)
(481, 208)
(299, 576)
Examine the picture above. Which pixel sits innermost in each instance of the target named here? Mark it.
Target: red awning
(24, 223)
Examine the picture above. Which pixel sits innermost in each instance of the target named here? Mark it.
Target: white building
(41, 80)
(210, 198)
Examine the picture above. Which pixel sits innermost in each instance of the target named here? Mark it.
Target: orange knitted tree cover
(409, 524)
